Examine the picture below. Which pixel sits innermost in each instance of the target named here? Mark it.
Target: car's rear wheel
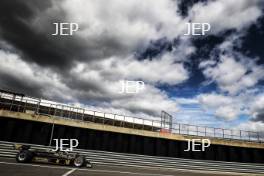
(79, 161)
(24, 156)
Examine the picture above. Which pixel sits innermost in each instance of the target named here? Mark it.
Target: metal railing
(17, 103)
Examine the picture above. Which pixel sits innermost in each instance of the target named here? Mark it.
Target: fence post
(10, 109)
(69, 115)
(49, 109)
(25, 105)
(83, 115)
(62, 109)
(37, 107)
(76, 114)
(94, 117)
(55, 110)
(21, 101)
(124, 121)
(214, 132)
(104, 119)
(114, 120)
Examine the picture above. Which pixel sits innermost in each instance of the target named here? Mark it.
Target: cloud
(162, 70)
(86, 68)
(256, 112)
(224, 15)
(30, 78)
(230, 107)
(227, 112)
(105, 94)
(102, 79)
(257, 108)
(119, 30)
(137, 21)
(232, 75)
(251, 126)
(224, 107)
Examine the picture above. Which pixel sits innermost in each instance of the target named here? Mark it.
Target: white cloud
(31, 75)
(257, 108)
(230, 107)
(151, 100)
(224, 107)
(227, 112)
(251, 126)
(223, 15)
(108, 73)
(233, 76)
(161, 70)
(134, 20)
(214, 100)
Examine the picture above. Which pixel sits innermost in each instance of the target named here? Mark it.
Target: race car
(26, 155)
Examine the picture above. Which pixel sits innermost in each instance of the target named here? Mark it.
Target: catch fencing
(20, 103)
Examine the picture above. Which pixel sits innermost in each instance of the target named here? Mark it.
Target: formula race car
(25, 155)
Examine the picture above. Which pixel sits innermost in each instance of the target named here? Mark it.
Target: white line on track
(128, 173)
(34, 165)
(89, 170)
(69, 172)
(120, 172)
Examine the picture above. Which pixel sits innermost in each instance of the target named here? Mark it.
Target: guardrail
(132, 160)
(19, 103)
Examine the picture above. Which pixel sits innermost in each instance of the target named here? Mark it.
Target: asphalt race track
(9, 167)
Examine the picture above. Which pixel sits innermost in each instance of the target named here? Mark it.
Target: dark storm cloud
(184, 6)
(16, 30)
(39, 46)
(11, 83)
(35, 45)
(259, 117)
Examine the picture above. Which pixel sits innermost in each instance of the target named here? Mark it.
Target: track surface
(9, 167)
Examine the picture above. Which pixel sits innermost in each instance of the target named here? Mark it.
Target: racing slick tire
(24, 156)
(79, 161)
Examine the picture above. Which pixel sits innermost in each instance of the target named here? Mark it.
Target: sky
(214, 80)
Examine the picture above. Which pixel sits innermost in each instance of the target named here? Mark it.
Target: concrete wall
(28, 131)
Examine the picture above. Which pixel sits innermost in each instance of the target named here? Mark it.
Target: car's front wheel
(24, 156)
(79, 161)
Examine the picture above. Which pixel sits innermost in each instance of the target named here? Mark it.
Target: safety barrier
(132, 160)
